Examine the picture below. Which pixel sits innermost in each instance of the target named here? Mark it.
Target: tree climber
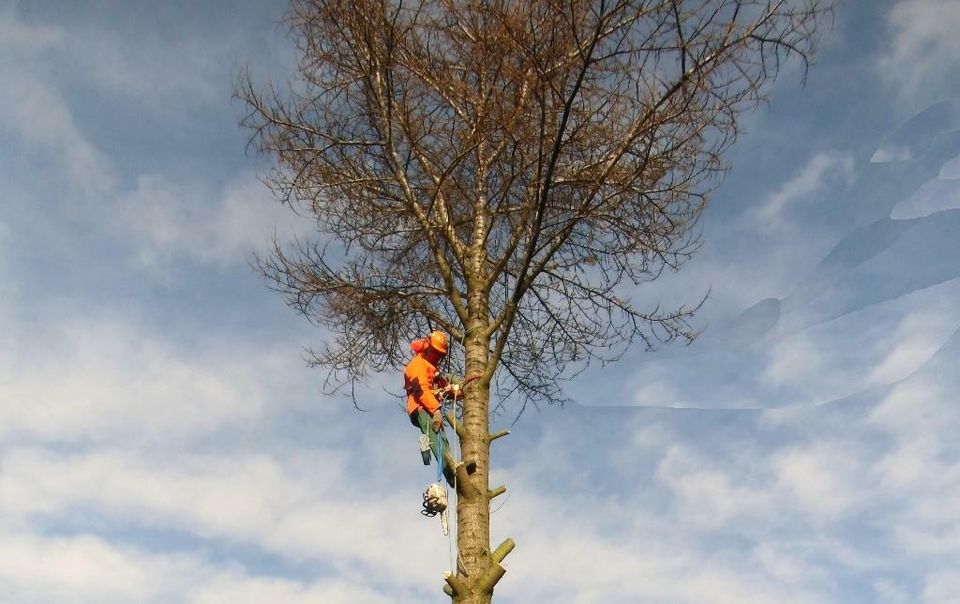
(421, 380)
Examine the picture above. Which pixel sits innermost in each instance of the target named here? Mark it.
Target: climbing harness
(454, 388)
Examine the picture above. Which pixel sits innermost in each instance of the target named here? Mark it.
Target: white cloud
(820, 170)
(916, 409)
(655, 394)
(710, 496)
(27, 40)
(891, 153)
(950, 169)
(299, 508)
(820, 479)
(793, 360)
(154, 73)
(109, 423)
(817, 483)
(163, 221)
(825, 358)
(920, 472)
(921, 58)
(935, 195)
(35, 111)
(787, 564)
(107, 378)
(564, 556)
(627, 544)
(916, 338)
(231, 589)
(941, 587)
(889, 592)
(159, 74)
(85, 568)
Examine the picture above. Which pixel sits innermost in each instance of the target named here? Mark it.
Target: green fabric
(425, 422)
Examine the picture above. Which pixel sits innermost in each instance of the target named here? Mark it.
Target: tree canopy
(532, 163)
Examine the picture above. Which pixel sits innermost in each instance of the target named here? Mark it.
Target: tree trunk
(473, 506)
(478, 569)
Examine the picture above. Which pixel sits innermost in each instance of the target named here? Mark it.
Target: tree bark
(478, 569)
(473, 505)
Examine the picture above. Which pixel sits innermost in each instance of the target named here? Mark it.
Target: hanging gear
(425, 449)
(434, 500)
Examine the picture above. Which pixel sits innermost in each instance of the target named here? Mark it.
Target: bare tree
(509, 171)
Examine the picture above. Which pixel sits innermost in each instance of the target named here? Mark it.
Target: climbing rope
(435, 497)
(450, 548)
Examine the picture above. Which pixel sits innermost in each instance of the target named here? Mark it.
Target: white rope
(456, 438)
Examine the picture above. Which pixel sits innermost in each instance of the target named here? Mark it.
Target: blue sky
(162, 441)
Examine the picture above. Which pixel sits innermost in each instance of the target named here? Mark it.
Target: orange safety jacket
(419, 379)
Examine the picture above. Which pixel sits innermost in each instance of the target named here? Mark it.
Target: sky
(161, 439)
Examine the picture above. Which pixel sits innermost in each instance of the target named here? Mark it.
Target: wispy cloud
(36, 112)
(822, 169)
(137, 466)
(85, 568)
(920, 60)
(293, 508)
(935, 195)
(162, 218)
(112, 376)
(916, 338)
(164, 221)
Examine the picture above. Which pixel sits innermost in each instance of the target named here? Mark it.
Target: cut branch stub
(466, 486)
(499, 434)
(455, 586)
(452, 420)
(448, 459)
(503, 550)
(492, 577)
(496, 571)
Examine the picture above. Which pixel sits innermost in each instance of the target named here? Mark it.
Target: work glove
(437, 421)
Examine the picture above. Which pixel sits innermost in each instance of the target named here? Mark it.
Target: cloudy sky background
(161, 440)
